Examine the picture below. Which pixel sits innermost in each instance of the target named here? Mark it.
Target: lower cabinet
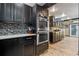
(28, 50)
(12, 47)
(29, 46)
(55, 36)
(24, 46)
(2, 48)
(41, 48)
(17, 47)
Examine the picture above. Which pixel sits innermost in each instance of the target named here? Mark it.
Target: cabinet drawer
(41, 48)
(28, 40)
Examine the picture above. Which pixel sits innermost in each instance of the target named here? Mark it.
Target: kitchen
(27, 30)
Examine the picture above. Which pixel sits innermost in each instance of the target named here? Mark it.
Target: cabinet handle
(29, 38)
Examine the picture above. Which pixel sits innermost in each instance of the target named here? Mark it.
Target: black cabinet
(23, 46)
(12, 47)
(1, 12)
(11, 12)
(15, 12)
(55, 36)
(18, 12)
(28, 14)
(2, 48)
(29, 46)
(41, 48)
(6, 12)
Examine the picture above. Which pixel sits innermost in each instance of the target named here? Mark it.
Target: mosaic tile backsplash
(12, 28)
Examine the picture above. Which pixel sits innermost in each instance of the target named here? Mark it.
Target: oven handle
(41, 32)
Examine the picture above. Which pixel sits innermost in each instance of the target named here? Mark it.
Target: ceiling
(69, 9)
(32, 4)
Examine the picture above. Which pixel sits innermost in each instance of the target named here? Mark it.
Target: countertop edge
(15, 36)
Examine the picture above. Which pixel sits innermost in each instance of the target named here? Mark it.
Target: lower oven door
(42, 37)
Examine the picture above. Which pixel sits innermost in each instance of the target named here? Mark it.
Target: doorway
(74, 31)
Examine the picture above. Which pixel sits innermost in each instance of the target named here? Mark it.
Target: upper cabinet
(28, 14)
(7, 12)
(15, 12)
(18, 12)
(11, 12)
(0, 12)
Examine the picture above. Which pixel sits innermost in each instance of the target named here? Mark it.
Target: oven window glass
(43, 37)
(42, 25)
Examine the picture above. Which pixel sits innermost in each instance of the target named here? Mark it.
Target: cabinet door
(10, 12)
(28, 50)
(13, 47)
(2, 48)
(31, 15)
(18, 47)
(41, 48)
(29, 47)
(28, 14)
(7, 12)
(19, 12)
(0, 13)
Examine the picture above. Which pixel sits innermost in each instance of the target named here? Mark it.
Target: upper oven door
(42, 37)
(42, 24)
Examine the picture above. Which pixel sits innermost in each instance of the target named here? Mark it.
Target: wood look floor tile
(66, 47)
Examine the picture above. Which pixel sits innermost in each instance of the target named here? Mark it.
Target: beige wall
(67, 32)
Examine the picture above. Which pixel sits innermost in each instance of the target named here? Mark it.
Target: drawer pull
(28, 38)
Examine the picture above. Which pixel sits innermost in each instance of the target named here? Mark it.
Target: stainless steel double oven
(42, 30)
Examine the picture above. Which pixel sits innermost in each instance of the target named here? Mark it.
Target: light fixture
(53, 9)
(57, 17)
(63, 15)
(68, 17)
(76, 21)
(19, 4)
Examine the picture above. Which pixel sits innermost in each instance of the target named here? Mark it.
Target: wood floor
(66, 47)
